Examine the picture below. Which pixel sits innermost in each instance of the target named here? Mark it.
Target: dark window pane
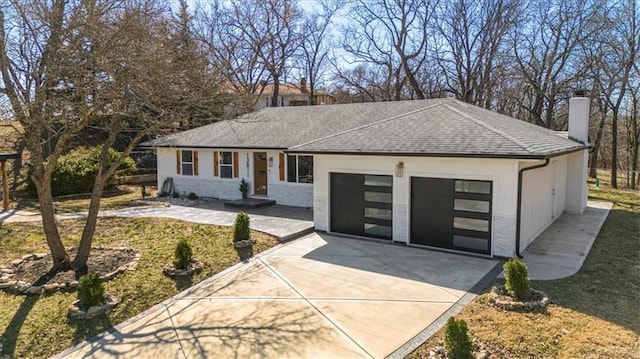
(187, 156)
(187, 169)
(227, 158)
(473, 187)
(471, 243)
(377, 213)
(305, 169)
(382, 181)
(226, 171)
(291, 168)
(470, 205)
(471, 224)
(377, 230)
(379, 197)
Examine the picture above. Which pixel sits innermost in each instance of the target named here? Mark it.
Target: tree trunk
(84, 248)
(593, 169)
(614, 149)
(276, 91)
(58, 252)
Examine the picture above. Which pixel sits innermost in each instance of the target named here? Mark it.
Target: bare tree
(314, 47)
(234, 54)
(393, 36)
(473, 52)
(68, 66)
(620, 54)
(546, 53)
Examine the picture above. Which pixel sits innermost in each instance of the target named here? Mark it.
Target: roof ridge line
(368, 125)
(491, 128)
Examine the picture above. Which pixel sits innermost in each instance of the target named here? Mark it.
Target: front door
(260, 173)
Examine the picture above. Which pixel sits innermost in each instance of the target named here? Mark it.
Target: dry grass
(37, 327)
(122, 197)
(595, 312)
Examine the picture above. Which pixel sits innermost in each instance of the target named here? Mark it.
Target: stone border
(20, 287)
(496, 299)
(75, 312)
(171, 271)
(244, 243)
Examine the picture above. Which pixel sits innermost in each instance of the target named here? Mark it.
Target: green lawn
(595, 312)
(33, 326)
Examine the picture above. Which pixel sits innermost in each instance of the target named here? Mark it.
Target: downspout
(519, 209)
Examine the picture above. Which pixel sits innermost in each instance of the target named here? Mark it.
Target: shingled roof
(435, 127)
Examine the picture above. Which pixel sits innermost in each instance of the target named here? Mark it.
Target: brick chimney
(303, 85)
(579, 110)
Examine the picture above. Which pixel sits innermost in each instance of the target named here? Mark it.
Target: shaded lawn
(38, 327)
(123, 197)
(595, 312)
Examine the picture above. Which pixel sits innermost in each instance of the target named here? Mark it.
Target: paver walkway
(281, 221)
(320, 296)
(561, 249)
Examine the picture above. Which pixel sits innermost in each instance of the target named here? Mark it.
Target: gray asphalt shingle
(427, 127)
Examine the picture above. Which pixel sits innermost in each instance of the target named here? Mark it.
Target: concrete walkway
(283, 222)
(561, 249)
(320, 296)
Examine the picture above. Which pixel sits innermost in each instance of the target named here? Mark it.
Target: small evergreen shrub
(175, 194)
(192, 196)
(77, 170)
(162, 194)
(183, 255)
(91, 290)
(517, 278)
(244, 188)
(456, 339)
(241, 229)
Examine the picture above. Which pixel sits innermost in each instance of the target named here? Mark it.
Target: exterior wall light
(270, 161)
(399, 169)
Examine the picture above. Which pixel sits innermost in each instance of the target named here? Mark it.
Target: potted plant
(184, 264)
(242, 232)
(244, 188)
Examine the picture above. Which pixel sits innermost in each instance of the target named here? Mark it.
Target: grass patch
(37, 326)
(595, 312)
(123, 197)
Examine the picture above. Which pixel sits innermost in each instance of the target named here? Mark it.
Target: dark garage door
(451, 213)
(361, 205)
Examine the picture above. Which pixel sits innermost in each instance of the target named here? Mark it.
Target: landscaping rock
(35, 290)
(75, 311)
(171, 271)
(499, 297)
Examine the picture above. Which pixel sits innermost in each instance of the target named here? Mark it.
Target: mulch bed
(101, 260)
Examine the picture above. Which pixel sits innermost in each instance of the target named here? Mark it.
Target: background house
(291, 94)
(439, 173)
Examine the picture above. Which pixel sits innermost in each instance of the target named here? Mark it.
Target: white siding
(206, 185)
(543, 197)
(502, 172)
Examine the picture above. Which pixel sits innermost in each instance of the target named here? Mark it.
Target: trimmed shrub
(162, 194)
(244, 188)
(456, 339)
(192, 196)
(517, 278)
(241, 230)
(77, 170)
(175, 194)
(91, 290)
(183, 255)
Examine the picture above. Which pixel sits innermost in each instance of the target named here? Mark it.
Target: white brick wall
(205, 184)
(503, 173)
(543, 197)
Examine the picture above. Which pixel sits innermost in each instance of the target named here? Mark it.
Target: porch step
(250, 203)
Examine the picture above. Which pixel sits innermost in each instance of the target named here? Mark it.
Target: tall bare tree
(546, 53)
(473, 51)
(71, 65)
(393, 36)
(314, 46)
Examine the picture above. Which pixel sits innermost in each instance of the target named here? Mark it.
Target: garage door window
(362, 204)
(451, 213)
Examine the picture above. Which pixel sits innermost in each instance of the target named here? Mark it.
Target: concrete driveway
(320, 296)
